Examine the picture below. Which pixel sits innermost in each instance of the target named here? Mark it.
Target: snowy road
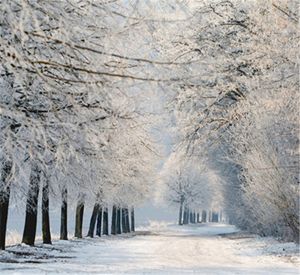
(162, 250)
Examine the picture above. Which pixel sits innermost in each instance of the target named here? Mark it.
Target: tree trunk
(132, 220)
(210, 216)
(93, 220)
(123, 221)
(215, 217)
(191, 217)
(79, 219)
(64, 215)
(4, 201)
(119, 230)
(180, 214)
(114, 220)
(31, 206)
(127, 220)
(45, 213)
(203, 218)
(105, 221)
(185, 216)
(99, 222)
(293, 222)
(198, 218)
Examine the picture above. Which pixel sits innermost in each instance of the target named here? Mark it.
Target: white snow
(158, 249)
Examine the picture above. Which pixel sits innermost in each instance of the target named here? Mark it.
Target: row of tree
(122, 221)
(74, 130)
(239, 114)
(192, 216)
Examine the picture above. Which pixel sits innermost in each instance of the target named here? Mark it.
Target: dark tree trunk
(99, 222)
(105, 221)
(64, 215)
(185, 216)
(194, 217)
(292, 221)
(180, 214)
(215, 217)
(119, 230)
(198, 218)
(127, 220)
(191, 217)
(204, 216)
(114, 220)
(4, 201)
(132, 220)
(93, 220)
(79, 219)
(31, 206)
(124, 221)
(45, 213)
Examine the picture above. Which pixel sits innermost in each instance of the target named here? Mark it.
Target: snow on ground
(158, 249)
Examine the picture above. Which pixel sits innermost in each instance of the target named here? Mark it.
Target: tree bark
(4, 201)
(123, 221)
(105, 221)
(114, 220)
(185, 216)
(293, 222)
(93, 220)
(215, 217)
(119, 230)
(79, 219)
(191, 216)
(31, 206)
(198, 217)
(99, 222)
(204, 216)
(132, 220)
(180, 214)
(45, 213)
(127, 220)
(64, 215)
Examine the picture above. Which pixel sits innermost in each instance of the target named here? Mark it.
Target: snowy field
(158, 249)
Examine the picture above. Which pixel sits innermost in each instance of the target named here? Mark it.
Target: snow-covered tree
(63, 68)
(190, 185)
(242, 107)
